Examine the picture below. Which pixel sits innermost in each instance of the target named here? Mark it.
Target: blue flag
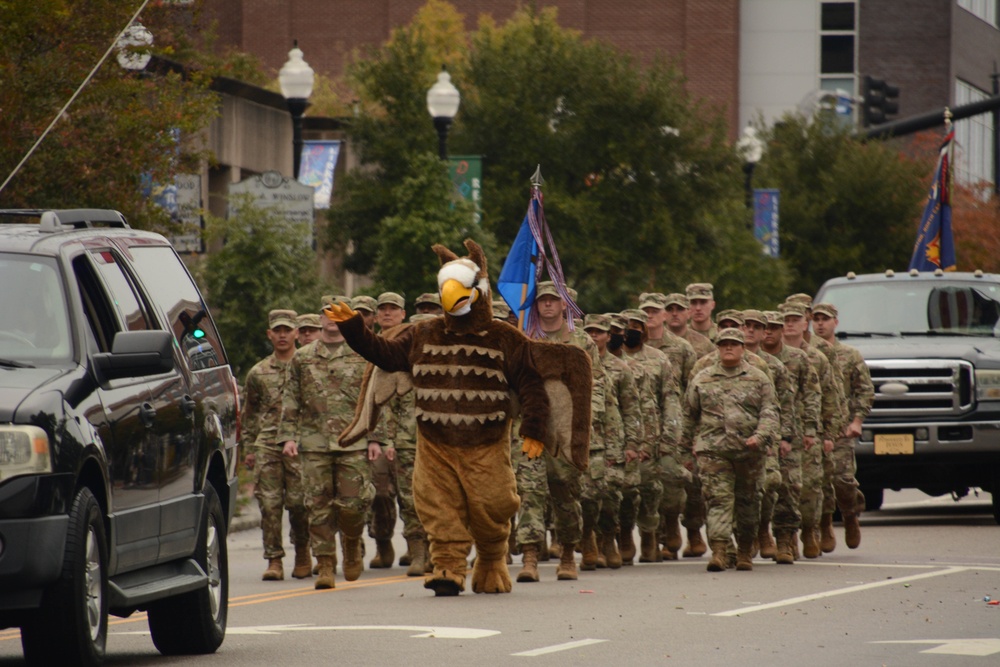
(935, 246)
(517, 277)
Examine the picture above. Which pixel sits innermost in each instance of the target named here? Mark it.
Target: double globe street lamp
(443, 99)
(296, 80)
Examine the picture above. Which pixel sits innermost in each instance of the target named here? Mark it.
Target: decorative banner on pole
(765, 220)
(467, 174)
(319, 159)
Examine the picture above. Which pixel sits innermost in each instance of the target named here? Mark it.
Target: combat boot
(672, 536)
(566, 570)
(783, 549)
(384, 554)
(589, 545)
(275, 570)
(303, 561)
(428, 564)
(766, 542)
(744, 556)
(327, 565)
(602, 561)
(354, 563)
(418, 556)
(795, 544)
(406, 558)
(555, 549)
(828, 541)
(852, 531)
(718, 562)
(626, 544)
(696, 547)
(611, 553)
(647, 546)
(810, 547)
(529, 564)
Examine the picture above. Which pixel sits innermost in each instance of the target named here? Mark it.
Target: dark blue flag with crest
(935, 246)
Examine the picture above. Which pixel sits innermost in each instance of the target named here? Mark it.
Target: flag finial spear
(947, 119)
(536, 178)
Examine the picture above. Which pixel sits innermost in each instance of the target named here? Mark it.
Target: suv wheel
(195, 622)
(72, 625)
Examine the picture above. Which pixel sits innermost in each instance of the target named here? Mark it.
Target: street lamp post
(296, 79)
(442, 103)
(751, 149)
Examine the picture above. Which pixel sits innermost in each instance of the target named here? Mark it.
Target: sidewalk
(247, 517)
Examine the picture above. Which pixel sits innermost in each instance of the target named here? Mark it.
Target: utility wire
(59, 115)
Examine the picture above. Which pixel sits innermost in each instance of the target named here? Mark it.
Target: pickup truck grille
(921, 387)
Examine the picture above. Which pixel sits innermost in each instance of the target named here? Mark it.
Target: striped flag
(935, 246)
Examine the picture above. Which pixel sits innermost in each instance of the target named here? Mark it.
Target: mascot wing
(566, 372)
(377, 388)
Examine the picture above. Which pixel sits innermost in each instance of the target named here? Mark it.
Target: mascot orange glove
(339, 312)
(532, 448)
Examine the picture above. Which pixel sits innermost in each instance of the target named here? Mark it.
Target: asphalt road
(914, 593)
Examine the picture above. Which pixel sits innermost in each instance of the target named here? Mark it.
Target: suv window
(169, 284)
(34, 326)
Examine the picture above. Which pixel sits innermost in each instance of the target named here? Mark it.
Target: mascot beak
(456, 299)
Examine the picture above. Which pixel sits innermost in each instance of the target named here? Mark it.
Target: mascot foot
(445, 583)
(490, 577)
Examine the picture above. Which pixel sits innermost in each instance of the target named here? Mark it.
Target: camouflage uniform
(277, 478)
(703, 291)
(318, 404)
(396, 429)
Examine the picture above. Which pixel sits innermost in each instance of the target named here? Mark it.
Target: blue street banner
(765, 220)
(319, 159)
(467, 174)
(935, 245)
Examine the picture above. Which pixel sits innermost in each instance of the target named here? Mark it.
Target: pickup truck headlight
(24, 450)
(988, 385)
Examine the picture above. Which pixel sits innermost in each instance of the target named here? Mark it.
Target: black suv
(118, 415)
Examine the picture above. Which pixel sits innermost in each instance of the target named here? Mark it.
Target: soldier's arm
(768, 429)
(672, 419)
(809, 391)
(288, 425)
(628, 404)
(250, 412)
(863, 390)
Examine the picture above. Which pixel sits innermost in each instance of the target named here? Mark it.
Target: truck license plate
(893, 443)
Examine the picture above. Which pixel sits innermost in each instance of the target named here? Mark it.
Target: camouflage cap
(327, 299)
(676, 299)
(825, 308)
(787, 309)
(699, 291)
(500, 309)
(546, 288)
(730, 334)
(752, 315)
(309, 321)
(617, 320)
(597, 321)
(729, 314)
(392, 299)
(422, 317)
(634, 314)
(774, 318)
(428, 297)
(573, 294)
(282, 318)
(364, 303)
(802, 298)
(652, 300)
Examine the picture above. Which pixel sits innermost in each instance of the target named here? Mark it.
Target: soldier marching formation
(744, 426)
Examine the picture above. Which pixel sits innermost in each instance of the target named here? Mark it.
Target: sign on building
(286, 196)
(467, 175)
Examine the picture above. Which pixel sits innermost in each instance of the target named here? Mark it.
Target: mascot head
(465, 287)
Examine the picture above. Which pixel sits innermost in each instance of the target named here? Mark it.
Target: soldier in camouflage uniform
(547, 477)
(366, 305)
(621, 432)
(318, 401)
(277, 479)
(309, 327)
(428, 303)
(841, 485)
(682, 497)
(678, 318)
(832, 420)
(701, 300)
(731, 419)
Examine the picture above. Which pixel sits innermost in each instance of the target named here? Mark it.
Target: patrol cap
(309, 321)
(282, 318)
(699, 291)
(617, 320)
(752, 315)
(730, 334)
(774, 318)
(500, 309)
(786, 309)
(802, 298)
(392, 299)
(547, 288)
(364, 303)
(825, 308)
(573, 294)
(597, 321)
(327, 299)
(422, 317)
(730, 314)
(676, 299)
(634, 314)
(652, 300)
(428, 297)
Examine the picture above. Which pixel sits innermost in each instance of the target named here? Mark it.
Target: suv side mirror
(136, 353)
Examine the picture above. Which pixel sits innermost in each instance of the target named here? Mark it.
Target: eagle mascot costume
(470, 373)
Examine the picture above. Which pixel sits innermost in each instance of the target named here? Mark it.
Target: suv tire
(195, 623)
(71, 627)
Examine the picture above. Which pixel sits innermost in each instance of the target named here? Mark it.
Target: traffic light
(879, 101)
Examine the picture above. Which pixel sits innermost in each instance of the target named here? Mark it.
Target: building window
(984, 9)
(838, 45)
(973, 139)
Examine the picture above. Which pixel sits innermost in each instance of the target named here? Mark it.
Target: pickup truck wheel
(195, 622)
(71, 627)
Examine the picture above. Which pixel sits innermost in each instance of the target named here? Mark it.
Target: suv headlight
(988, 385)
(24, 450)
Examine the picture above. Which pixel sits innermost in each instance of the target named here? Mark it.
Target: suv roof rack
(57, 220)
